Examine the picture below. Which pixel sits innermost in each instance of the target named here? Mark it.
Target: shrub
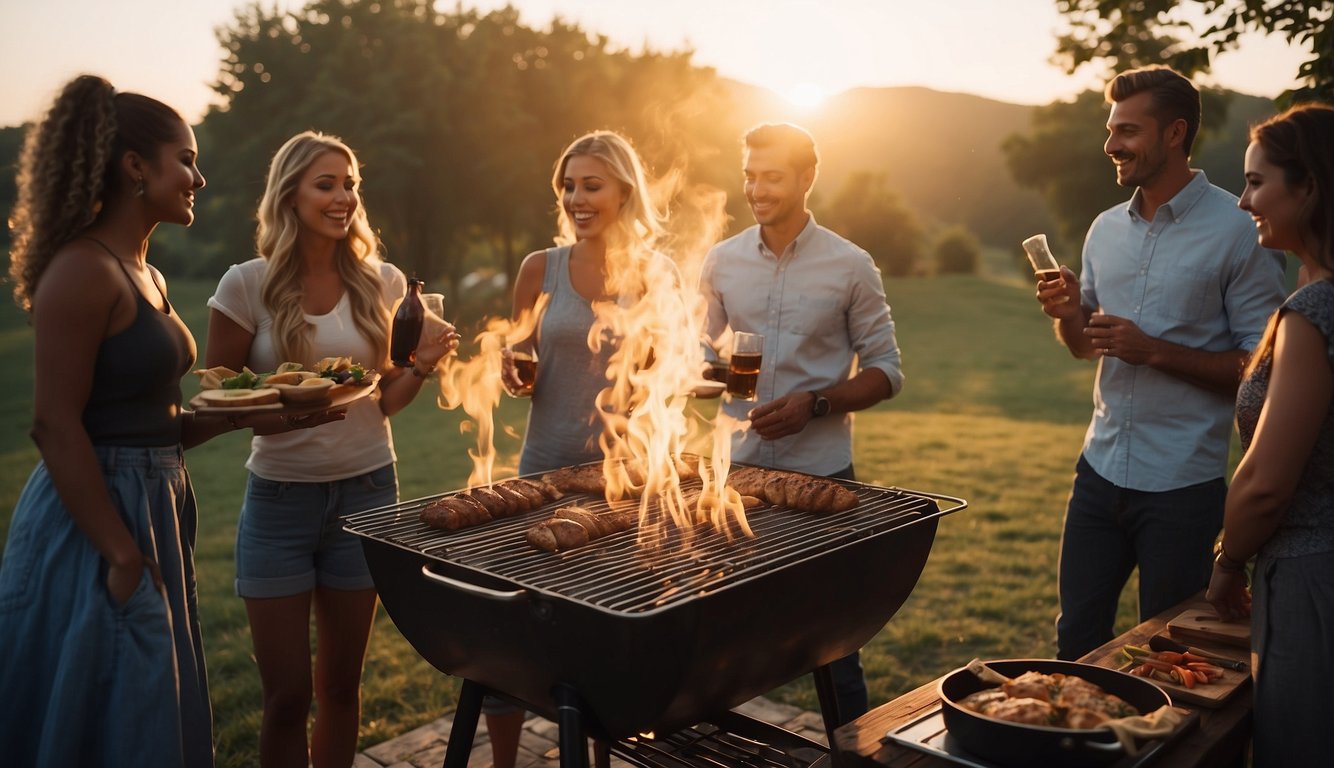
(957, 252)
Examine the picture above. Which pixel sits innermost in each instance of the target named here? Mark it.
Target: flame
(658, 321)
(475, 385)
(648, 421)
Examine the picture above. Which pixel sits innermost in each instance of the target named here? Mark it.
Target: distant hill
(942, 154)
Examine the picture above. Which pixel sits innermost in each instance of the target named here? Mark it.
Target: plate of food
(291, 389)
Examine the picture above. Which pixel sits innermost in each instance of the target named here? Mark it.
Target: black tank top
(136, 395)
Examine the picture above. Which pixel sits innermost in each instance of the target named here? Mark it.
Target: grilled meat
(479, 505)
(574, 526)
(1064, 701)
(590, 479)
(818, 495)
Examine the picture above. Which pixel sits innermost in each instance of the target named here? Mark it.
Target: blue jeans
(1109, 531)
(86, 681)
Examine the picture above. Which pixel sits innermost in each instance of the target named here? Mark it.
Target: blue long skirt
(86, 682)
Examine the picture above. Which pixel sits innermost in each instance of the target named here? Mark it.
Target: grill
(614, 639)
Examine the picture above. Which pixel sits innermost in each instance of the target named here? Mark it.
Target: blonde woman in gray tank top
(606, 223)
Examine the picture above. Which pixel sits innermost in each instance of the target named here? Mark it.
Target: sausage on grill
(590, 479)
(818, 495)
(479, 505)
(573, 526)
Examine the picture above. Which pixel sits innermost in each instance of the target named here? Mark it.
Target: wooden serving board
(1202, 625)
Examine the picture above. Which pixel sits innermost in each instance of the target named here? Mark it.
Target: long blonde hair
(69, 168)
(356, 257)
(639, 227)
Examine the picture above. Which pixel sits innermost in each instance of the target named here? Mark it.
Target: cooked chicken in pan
(1059, 700)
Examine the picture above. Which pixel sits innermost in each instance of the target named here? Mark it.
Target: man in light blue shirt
(829, 345)
(1174, 294)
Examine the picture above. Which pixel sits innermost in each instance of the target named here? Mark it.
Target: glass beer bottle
(407, 328)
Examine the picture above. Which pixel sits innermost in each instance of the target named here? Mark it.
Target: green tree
(11, 143)
(957, 252)
(1062, 158)
(869, 213)
(456, 116)
(1188, 35)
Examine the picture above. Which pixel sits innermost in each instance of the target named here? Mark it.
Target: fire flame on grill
(648, 420)
(475, 385)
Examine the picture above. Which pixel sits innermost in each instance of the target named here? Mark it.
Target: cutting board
(1202, 625)
(1212, 695)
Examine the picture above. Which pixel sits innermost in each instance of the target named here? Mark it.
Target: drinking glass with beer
(743, 370)
(1045, 266)
(525, 368)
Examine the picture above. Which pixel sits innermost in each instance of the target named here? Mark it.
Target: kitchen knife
(1165, 643)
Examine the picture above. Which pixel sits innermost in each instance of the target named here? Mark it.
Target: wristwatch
(821, 405)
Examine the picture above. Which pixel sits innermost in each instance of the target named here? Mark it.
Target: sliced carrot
(1158, 664)
(1171, 657)
(1186, 677)
(1210, 671)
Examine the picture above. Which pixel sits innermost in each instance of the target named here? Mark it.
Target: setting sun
(806, 94)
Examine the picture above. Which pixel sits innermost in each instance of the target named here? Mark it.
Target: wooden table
(1221, 739)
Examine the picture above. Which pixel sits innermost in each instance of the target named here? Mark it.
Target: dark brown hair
(1171, 97)
(69, 167)
(1301, 143)
(795, 140)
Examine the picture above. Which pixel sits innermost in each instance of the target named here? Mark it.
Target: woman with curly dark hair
(101, 661)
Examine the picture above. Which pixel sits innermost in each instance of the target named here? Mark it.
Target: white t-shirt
(360, 443)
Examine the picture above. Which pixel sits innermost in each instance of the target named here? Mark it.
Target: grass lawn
(993, 411)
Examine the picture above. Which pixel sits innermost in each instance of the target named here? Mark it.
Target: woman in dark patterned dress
(1280, 508)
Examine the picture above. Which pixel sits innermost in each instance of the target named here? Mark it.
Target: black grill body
(649, 639)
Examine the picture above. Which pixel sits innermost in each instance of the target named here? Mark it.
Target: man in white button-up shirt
(829, 345)
(1174, 294)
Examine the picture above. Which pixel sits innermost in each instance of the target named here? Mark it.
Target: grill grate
(707, 746)
(615, 574)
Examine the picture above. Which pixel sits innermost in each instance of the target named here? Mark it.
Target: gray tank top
(563, 424)
(136, 394)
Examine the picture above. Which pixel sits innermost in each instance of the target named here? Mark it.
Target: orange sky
(803, 49)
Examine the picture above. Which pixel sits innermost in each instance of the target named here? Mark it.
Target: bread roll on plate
(289, 377)
(312, 390)
(237, 398)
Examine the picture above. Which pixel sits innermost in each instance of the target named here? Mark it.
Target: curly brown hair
(68, 169)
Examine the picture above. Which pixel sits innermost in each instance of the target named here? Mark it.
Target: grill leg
(464, 729)
(573, 745)
(824, 689)
(601, 754)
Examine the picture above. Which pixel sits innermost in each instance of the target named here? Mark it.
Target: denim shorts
(291, 538)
